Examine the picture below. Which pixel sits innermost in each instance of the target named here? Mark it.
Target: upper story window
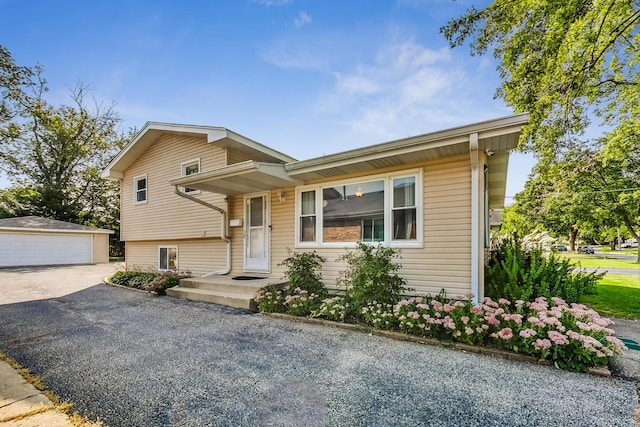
(140, 189)
(383, 209)
(189, 168)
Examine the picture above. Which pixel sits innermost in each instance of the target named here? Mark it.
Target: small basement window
(167, 258)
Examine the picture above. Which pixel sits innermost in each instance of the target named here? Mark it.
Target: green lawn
(618, 296)
(592, 261)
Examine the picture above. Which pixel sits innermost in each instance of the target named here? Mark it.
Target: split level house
(212, 202)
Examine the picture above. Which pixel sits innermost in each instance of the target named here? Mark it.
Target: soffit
(239, 178)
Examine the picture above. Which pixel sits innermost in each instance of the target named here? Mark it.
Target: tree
(611, 169)
(15, 81)
(53, 155)
(559, 60)
(554, 199)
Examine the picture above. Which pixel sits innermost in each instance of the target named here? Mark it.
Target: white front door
(256, 233)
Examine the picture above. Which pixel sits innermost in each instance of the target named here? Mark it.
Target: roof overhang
(214, 135)
(239, 178)
(498, 165)
(496, 136)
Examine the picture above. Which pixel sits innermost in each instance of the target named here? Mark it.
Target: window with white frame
(140, 189)
(189, 168)
(383, 209)
(167, 258)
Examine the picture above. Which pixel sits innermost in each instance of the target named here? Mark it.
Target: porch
(232, 291)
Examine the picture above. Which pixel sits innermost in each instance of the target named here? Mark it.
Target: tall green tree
(611, 169)
(53, 154)
(559, 60)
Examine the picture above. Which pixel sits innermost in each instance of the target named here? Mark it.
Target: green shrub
(166, 280)
(371, 275)
(304, 271)
(334, 308)
(271, 300)
(518, 273)
(132, 279)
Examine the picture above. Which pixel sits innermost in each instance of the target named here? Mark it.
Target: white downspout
(223, 229)
(475, 218)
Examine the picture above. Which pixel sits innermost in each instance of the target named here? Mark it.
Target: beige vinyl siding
(199, 257)
(443, 262)
(100, 248)
(166, 215)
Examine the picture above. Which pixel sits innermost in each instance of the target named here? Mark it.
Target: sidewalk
(21, 404)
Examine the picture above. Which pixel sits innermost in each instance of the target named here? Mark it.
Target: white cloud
(302, 20)
(406, 88)
(270, 3)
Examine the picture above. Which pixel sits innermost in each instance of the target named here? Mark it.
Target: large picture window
(382, 209)
(167, 258)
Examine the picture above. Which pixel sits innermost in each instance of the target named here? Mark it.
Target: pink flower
(558, 338)
(468, 331)
(464, 319)
(527, 333)
(477, 310)
(503, 301)
(541, 344)
(448, 308)
(505, 334)
(492, 320)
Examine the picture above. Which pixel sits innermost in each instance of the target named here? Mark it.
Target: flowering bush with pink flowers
(380, 316)
(334, 308)
(573, 337)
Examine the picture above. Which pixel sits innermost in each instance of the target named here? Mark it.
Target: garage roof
(38, 223)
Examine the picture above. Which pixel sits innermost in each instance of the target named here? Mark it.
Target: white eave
(499, 135)
(239, 178)
(214, 135)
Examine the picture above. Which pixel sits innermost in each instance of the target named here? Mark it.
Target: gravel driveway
(132, 359)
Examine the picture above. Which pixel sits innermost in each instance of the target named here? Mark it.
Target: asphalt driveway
(132, 359)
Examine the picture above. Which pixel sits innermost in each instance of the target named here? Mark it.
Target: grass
(62, 407)
(598, 261)
(618, 296)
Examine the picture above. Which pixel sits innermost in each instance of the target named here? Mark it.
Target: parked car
(631, 243)
(561, 248)
(585, 249)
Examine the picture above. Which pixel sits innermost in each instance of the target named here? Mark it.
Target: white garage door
(34, 249)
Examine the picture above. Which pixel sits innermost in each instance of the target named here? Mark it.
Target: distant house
(208, 200)
(33, 240)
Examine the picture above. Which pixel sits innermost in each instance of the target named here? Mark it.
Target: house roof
(239, 178)
(38, 223)
(498, 135)
(271, 169)
(219, 136)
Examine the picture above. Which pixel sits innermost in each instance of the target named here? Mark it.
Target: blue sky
(304, 77)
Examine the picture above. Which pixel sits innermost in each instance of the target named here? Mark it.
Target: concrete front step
(223, 290)
(227, 284)
(230, 299)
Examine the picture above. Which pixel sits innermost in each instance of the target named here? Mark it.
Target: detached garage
(33, 240)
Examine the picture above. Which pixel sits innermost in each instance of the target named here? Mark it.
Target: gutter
(223, 229)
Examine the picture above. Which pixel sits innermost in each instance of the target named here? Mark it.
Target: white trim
(135, 189)
(388, 210)
(267, 232)
(168, 247)
(475, 219)
(182, 173)
(55, 230)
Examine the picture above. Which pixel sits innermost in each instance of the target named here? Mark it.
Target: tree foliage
(53, 155)
(559, 61)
